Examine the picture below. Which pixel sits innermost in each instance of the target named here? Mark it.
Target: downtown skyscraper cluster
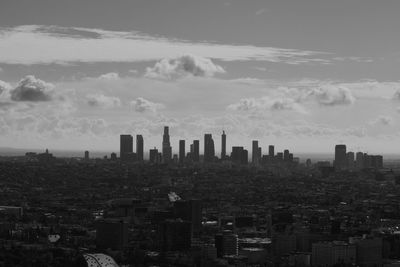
(238, 155)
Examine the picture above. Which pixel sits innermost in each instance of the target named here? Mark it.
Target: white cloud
(4, 89)
(249, 81)
(396, 95)
(100, 100)
(143, 105)
(112, 76)
(170, 68)
(331, 95)
(266, 103)
(382, 121)
(133, 71)
(32, 89)
(25, 45)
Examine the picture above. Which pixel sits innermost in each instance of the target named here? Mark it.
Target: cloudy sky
(303, 75)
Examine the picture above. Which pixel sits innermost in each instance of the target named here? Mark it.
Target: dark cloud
(33, 90)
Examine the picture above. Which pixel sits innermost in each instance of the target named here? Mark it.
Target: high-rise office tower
(154, 155)
(359, 160)
(166, 146)
(139, 147)
(286, 155)
(254, 155)
(271, 151)
(350, 160)
(340, 157)
(223, 145)
(182, 151)
(196, 151)
(239, 155)
(209, 151)
(86, 155)
(126, 146)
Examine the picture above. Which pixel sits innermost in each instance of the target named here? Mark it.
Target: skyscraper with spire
(223, 145)
(166, 146)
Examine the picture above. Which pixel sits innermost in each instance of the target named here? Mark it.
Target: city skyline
(342, 158)
(199, 133)
(306, 75)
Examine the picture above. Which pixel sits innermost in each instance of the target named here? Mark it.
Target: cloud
(182, 66)
(4, 87)
(143, 105)
(133, 71)
(100, 100)
(25, 45)
(331, 95)
(112, 76)
(266, 103)
(396, 95)
(382, 121)
(32, 89)
(249, 81)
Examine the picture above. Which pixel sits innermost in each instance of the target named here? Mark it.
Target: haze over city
(303, 75)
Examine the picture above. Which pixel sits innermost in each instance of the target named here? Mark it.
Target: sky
(303, 75)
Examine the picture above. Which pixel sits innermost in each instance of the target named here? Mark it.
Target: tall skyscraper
(350, 160)
(271, 151)
(86, 155)
(254, 153)
(139, 147)
(182, 151)
(209, 150)
(223, 145)
(340, 157)
(239, 155)
(126, 146)
(166, 146)
(196, 151)
(359, 160)
(286, 155)
(154, 155)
